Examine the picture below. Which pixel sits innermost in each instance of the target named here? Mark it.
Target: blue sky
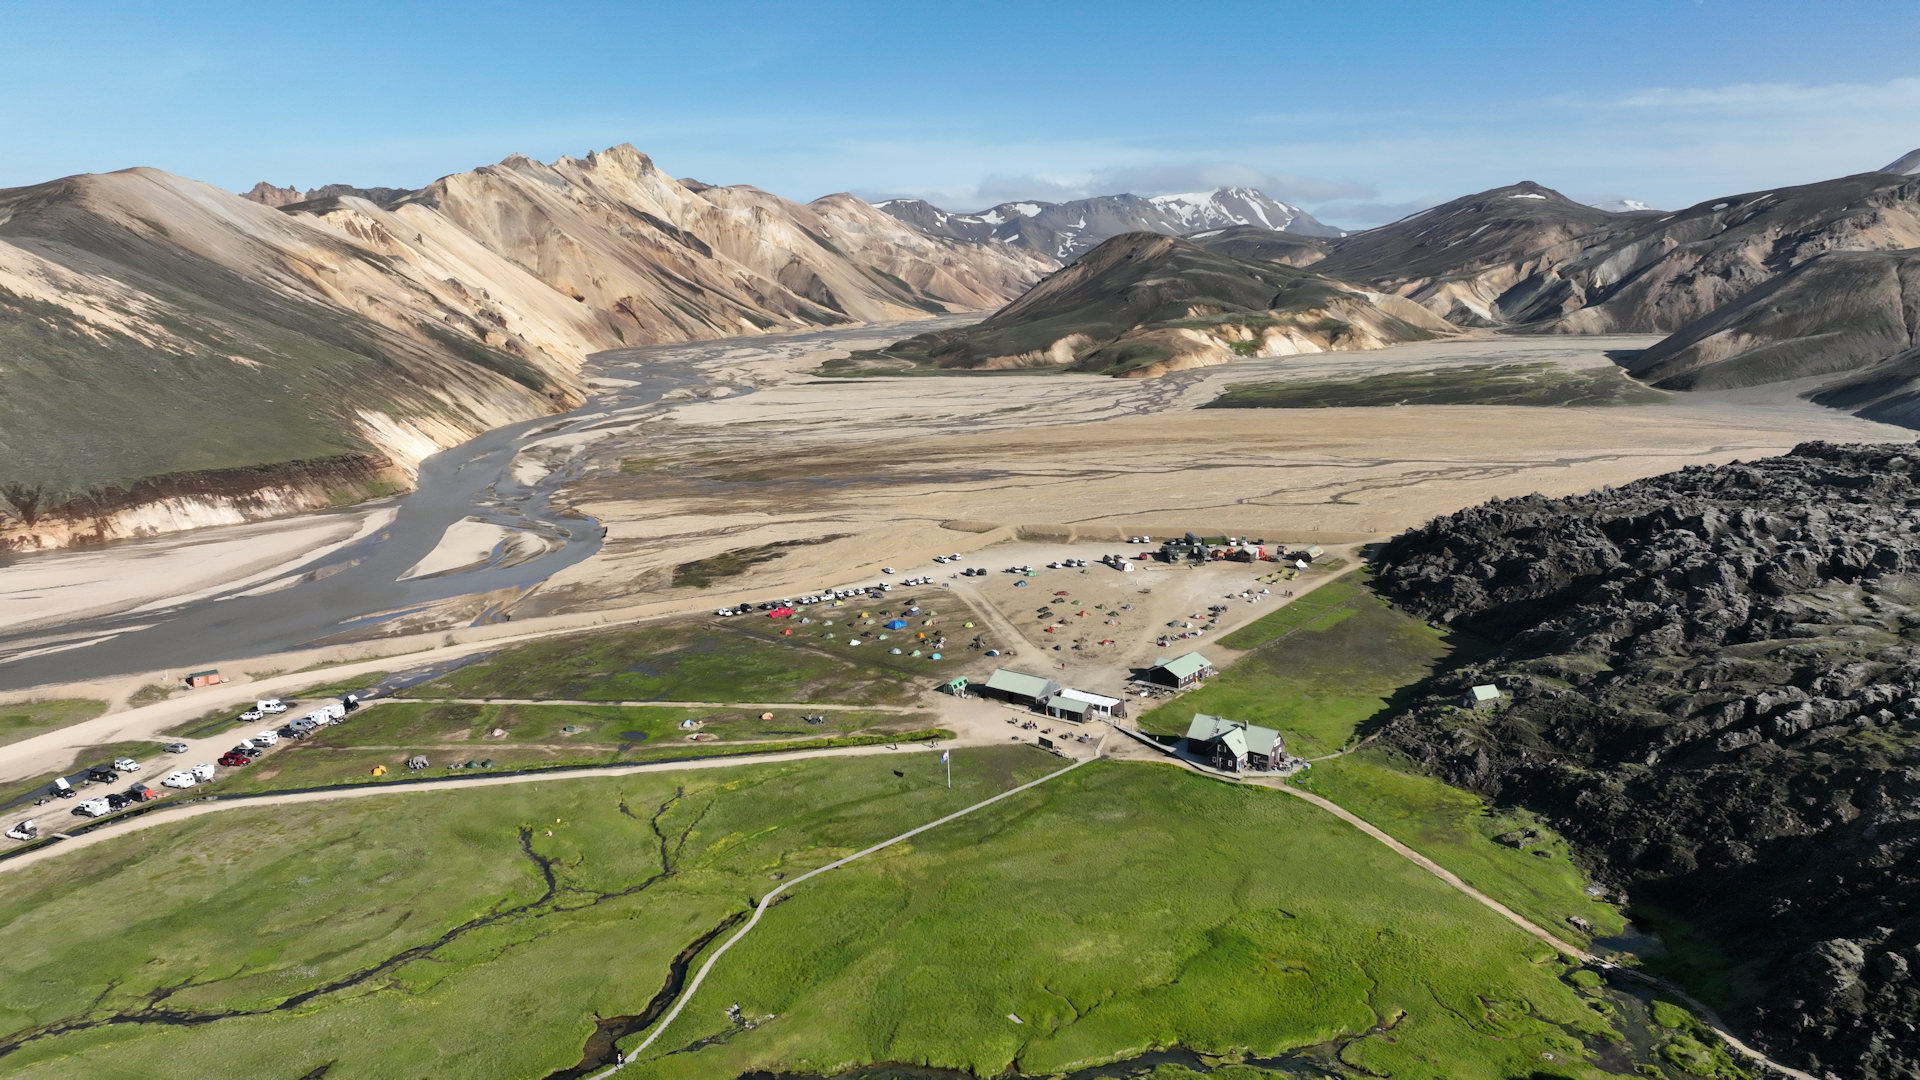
(1359, 112)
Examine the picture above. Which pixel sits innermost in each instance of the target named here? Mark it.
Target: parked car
(116, 801)
(202, 772)
(100, 774)
(251, 715)
(176, 748)
(93, 808)
(126, 764)
(26, 830)
(142, 793)
(233, 759)
(270, 705)
(179, 780)
(63, 789)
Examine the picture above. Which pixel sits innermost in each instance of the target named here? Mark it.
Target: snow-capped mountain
(1067, 230)
(1906, 166)
(1621, 206)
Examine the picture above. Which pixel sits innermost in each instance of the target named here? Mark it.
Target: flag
(943, 756)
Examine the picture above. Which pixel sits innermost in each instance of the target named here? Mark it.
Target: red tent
(779, 613)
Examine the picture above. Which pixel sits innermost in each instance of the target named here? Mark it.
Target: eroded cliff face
(165, 504)
(153, 326)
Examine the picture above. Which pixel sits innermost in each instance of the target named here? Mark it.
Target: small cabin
(209, 677)
(1484, 696)
(1180, 672)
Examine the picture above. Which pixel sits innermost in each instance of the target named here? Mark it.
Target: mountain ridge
(388, 330)
(1065, 231)
(1144, 304)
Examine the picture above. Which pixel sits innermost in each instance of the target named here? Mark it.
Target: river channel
(360, 583)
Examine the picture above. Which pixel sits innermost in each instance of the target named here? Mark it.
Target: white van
(93, 807)
(202, 772)
(270, 705)
(179, 780)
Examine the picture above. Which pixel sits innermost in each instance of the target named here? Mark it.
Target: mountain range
(1065, 231)
(179, 355)
(232, 356)
(1811, 281)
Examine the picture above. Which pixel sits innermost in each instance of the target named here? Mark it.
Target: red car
(233, 761)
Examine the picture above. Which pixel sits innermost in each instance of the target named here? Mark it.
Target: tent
(896, 624)
(780, 613)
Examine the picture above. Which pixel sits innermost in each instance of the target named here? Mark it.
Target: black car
(100, 774)
(117, 801)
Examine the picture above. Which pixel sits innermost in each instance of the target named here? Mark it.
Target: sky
(1360, 113)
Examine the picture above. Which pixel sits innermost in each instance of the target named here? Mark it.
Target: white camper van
(270, 705)
(179, 780)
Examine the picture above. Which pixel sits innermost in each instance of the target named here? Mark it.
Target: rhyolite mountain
(1850, 316)
(1711, 684)
(1065, 231)
(1525, 256)
(1143, 304)
(178, 355)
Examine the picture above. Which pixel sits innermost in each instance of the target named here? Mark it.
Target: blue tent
(896, 624)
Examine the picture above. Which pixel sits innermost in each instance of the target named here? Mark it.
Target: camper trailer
(202, 772)
(93, 808)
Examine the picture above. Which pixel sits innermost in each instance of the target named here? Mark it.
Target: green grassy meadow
(479, 934)
(1458, 830)
(26, 719)
(692, 662)
(1135, 906)
(1320, 668)
(451, 735)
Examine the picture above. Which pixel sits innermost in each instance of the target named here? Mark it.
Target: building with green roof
(1180, 672)
(1018, 687)
(1234, 746)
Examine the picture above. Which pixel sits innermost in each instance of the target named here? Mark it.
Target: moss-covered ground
(747, 658)
(1540, 384)
(26, 719)
(481, 933)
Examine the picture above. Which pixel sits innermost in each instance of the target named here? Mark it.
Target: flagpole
(947, 756)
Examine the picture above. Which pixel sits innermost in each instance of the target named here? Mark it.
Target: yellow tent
(379, 770)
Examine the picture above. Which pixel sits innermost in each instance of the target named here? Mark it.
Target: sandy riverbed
(143, 575)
